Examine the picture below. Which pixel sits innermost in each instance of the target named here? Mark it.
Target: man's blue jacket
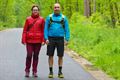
(56, 29)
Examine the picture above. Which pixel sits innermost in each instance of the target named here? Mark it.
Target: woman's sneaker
(35, 75)
(27, 74)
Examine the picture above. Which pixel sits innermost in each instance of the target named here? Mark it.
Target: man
(56, 34)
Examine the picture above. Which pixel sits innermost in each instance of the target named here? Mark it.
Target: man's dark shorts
(55, 42)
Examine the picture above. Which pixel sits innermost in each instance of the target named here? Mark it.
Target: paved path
(12, 61)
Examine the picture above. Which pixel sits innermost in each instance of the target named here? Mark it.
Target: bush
(98, 44)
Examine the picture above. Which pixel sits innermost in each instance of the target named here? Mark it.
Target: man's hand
(65, 43)
(47, 42)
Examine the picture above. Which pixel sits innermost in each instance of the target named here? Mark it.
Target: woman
(33, 38)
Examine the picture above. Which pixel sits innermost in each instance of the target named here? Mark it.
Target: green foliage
(76, 17)
(99, 44)
(99, 19)
(20, 9)
(7, 16)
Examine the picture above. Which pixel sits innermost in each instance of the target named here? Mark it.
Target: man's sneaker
(50, 75)
(35, 75)
(27, 74)
(60, 75)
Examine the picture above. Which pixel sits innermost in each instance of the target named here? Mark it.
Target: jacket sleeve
(46, 28)
(67, 31)
(43, 24)
(24, 31)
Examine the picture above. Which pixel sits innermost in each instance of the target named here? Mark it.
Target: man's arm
(67, 31)
(46, 28)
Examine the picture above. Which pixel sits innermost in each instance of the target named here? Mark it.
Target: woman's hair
(35, 6)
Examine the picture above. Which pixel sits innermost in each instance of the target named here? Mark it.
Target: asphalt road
(12, 61)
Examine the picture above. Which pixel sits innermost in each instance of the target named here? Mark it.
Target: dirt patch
(95, 72)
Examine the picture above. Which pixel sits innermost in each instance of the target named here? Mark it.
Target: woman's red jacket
(33, 31)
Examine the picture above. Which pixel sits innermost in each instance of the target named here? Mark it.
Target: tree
(77, 6)
(94, 7)
(112, 14)
(56, 1)
(117, 12)
(87, 10)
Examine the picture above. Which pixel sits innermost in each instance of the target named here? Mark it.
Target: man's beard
(57, 12)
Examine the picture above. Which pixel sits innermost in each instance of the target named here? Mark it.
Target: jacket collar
(57, 14)
(34, 16)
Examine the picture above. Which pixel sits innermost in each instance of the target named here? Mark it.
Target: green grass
(98, 44)
(2, 28)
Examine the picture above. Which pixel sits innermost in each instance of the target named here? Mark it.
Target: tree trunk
(94, 6)
(5, 11)
(87, 11)
(98, 8)
(89, 7)
(77, 7)
(117, 12)
(85, 8)
(70, 8)
(56, 1)
(112, 15)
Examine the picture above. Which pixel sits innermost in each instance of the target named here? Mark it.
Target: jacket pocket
(29, 35)
(38, 35)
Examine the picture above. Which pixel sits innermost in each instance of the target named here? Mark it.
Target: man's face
(57, 8)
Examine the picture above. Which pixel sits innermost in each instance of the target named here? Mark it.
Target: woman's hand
(43, 43)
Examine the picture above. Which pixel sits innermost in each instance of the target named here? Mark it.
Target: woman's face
(35, 11)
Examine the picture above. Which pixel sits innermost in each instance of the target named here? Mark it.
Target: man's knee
(50, 57)
(60, 57)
